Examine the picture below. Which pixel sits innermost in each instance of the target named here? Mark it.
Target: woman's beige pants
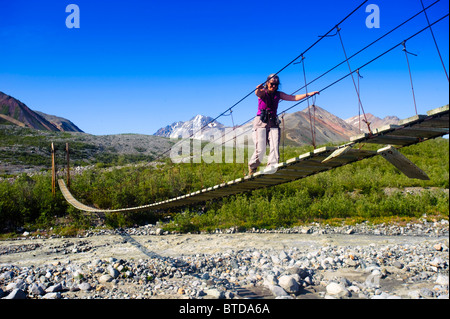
(262, 134)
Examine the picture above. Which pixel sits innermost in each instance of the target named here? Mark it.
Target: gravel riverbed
(310, 262)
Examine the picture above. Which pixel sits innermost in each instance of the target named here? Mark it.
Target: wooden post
(53, 171)
(68, 165)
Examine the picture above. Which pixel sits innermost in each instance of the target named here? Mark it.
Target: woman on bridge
(266, 123)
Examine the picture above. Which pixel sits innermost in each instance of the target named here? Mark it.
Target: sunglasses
(273, 84)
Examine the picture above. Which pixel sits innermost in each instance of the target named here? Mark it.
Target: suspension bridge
(413, 130)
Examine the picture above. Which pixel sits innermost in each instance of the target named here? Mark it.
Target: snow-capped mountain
(199, 127)
(357, 121)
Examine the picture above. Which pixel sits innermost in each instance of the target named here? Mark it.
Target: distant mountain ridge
(328, 128)
(62, 124)
(14, 112)
(357, 121)
(297, 127)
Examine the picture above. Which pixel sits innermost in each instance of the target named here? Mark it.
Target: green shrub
(350, 192)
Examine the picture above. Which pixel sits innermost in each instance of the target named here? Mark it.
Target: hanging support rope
(234, 127)
(410, 75)
(284, 133)
(434, 39)
(353, 79)
(359, 105)
(314, 119)
(234, 130)
(312, 128)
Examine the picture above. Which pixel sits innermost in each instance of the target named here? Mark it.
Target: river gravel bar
(309, 262)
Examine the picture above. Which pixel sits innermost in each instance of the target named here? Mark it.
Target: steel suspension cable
(335, 82)
(371, 61)
(283, 68)
(348, 74)
(322, 37)
(434, 39)
(359, 106)
(369, 45)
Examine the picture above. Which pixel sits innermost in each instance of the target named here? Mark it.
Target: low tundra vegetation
(370, 190)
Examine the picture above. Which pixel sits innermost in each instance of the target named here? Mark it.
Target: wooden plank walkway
(413, 130)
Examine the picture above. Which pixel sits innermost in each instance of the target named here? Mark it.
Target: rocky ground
(310, 262)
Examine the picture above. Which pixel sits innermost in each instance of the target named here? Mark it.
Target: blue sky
(135, 66)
